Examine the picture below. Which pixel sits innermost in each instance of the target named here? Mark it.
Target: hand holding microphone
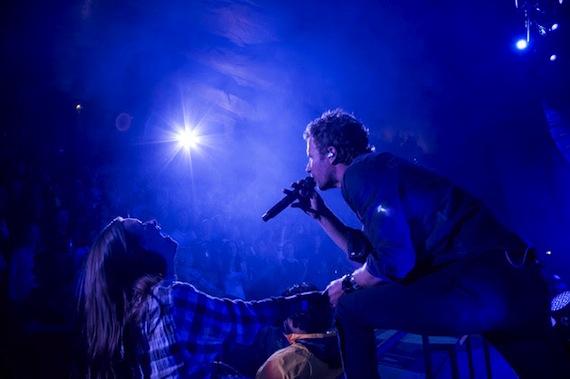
(302, 190)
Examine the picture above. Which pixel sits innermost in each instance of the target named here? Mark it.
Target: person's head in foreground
(128, 258)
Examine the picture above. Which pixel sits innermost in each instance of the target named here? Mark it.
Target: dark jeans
(483, 294)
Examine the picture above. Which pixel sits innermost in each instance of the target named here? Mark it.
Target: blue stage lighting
(187, 138)
(522, 44)
(183, 142)
(560, 301)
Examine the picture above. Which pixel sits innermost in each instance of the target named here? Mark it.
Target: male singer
(435, 260)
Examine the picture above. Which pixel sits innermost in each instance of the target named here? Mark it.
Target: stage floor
(405, 359)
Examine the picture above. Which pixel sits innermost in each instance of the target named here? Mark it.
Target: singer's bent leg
(358, 348)
(387, 306)
(477, 295)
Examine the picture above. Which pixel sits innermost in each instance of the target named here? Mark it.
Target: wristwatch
(349, 284)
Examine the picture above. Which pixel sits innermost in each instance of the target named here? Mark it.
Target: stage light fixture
(540, 19)
(559, 306)
(522, 44)
(553, 57)
(560, 301)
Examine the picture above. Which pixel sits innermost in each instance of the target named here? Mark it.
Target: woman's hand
(335, 291)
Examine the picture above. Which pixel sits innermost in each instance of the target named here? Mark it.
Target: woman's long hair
(118, 273)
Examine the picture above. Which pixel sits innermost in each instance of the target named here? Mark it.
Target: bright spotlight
(554, 27)
(187, 139)
(553, 57)
(522, 44)
(184, 141)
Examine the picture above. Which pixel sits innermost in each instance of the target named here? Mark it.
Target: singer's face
(320, 167)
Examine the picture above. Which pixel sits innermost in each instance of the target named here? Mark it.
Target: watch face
(347, 285)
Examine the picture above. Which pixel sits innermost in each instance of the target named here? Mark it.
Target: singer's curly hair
(341, 130)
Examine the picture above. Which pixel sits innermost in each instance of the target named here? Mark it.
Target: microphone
(307, 184)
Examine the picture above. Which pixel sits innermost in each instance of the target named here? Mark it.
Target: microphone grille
(309, 183)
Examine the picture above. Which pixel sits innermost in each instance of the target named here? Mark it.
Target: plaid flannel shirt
(183, 330)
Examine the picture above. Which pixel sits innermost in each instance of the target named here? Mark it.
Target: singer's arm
(331, 224)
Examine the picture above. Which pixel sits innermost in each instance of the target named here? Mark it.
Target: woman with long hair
(139, 323)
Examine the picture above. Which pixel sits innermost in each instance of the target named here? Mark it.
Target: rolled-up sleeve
(358, 245)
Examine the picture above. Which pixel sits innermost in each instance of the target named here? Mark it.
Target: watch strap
(349, 284)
